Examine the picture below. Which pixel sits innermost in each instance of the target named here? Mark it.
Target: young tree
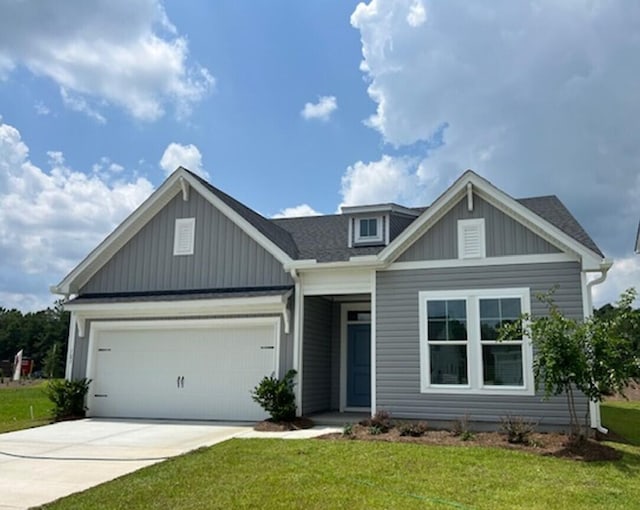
(593, 356)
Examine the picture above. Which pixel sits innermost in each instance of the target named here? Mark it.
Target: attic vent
(184, 234)
(471, 241)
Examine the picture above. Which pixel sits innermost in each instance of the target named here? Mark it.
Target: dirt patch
(631, 393)
(547, 444)
(283, 426)
(22, 383)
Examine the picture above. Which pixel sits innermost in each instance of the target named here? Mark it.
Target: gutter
(594, 407)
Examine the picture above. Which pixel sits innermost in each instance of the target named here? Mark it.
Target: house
(195, 297)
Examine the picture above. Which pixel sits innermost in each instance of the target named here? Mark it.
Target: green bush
(68, 397)
(276, 396)
(413, 428)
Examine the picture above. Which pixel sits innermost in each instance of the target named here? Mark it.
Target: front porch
(336, 375)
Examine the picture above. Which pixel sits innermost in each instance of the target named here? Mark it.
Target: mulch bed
(283, 426)
(549, 444)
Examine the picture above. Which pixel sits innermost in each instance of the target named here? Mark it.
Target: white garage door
(195, 369)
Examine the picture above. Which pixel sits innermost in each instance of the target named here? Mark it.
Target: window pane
(457, 309)
(510, 308)
(437, 330)
(489, 308)
(373, 228)
(489, 329)
(457, 330)
(364, 228)
(502, 365)
(448, 364)
(437, 310)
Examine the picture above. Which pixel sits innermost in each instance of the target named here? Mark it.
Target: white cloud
(187, 156)
(41, 108)
(321, 110)
(536, 115)
(297, 211)
(625, 273)
(50, 220)
(387, 180)
(122, 52)
(417, 14)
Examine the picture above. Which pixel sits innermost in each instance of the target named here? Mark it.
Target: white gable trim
(590, 259)
(124, 232)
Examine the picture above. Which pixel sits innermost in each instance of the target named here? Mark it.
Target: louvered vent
(184, 236)
(471, 243)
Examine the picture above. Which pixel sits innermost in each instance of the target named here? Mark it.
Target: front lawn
(16, 401)
(264, 473)
(623, 418)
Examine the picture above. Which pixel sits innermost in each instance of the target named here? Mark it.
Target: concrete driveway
(46, 463)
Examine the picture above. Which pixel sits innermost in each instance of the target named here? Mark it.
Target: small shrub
(413, 428)
(517, 429)
(347, 430)
(68, 397)
(276, 396)
(462, 429)
(381, 421)
(375, 430)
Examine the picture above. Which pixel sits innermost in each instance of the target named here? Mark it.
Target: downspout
(594, 407)
(297, 336)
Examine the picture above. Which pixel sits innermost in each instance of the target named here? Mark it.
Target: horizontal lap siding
(504, 235)
(316, 355)
(224, 255)
(398, 349)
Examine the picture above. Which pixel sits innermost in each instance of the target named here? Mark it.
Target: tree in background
(596, 356)
(36, 333)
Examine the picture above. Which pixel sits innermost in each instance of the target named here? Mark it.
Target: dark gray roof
(551, 209)
(126, 297)
(272, 231)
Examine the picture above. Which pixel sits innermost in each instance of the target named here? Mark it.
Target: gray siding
(504, 235)
(224, 256)
(316, 355)
(397, 223)
(335, 356)
(398, 337)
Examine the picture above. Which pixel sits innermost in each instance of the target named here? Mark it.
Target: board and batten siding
(503, 235)
(224, 255)
(317, 355)
(398, 341)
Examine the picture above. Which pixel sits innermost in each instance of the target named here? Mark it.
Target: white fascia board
(503, 202)
(543, 258)
(245, 305)
(120, 236)
(365, 261)
(244, 225)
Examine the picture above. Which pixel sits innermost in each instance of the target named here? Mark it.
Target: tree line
(42, 335)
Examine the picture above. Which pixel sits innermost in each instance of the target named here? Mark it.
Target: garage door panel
(139, 370)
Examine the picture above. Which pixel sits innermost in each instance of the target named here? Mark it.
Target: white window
(471, 239)
(459, 350)
(368, 230)
(183, 236)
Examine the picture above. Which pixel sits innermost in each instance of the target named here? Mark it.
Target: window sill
(467, 390)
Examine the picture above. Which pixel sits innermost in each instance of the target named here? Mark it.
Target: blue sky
(299, 107)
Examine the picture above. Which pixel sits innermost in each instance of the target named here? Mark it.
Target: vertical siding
(316, 355)
(504, 235)
(80, 353)
(224, 256)
(397, 223)
(335, 356)
(397, 341)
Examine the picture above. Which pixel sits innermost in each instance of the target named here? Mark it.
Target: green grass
(623, 418)
(16, 403)
(315, 474)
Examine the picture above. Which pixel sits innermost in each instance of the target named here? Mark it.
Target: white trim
(338, 281)
(184, 236)
(543, 258)
(345, 308)
(500, 200)
(378, 208)
(373, 343)
(469, 197)
(475, 225)
(71, 346)
(184, 185)
(473, 343)
(99, 326)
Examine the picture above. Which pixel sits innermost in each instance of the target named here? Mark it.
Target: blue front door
(359, 365)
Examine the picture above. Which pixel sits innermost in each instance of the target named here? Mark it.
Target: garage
(199, 369)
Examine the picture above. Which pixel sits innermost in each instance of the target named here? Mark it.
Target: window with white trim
(471, 239)
(184, 236)
(459, 347)
(368, 230)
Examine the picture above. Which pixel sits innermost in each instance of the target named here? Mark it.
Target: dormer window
(368, 230)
